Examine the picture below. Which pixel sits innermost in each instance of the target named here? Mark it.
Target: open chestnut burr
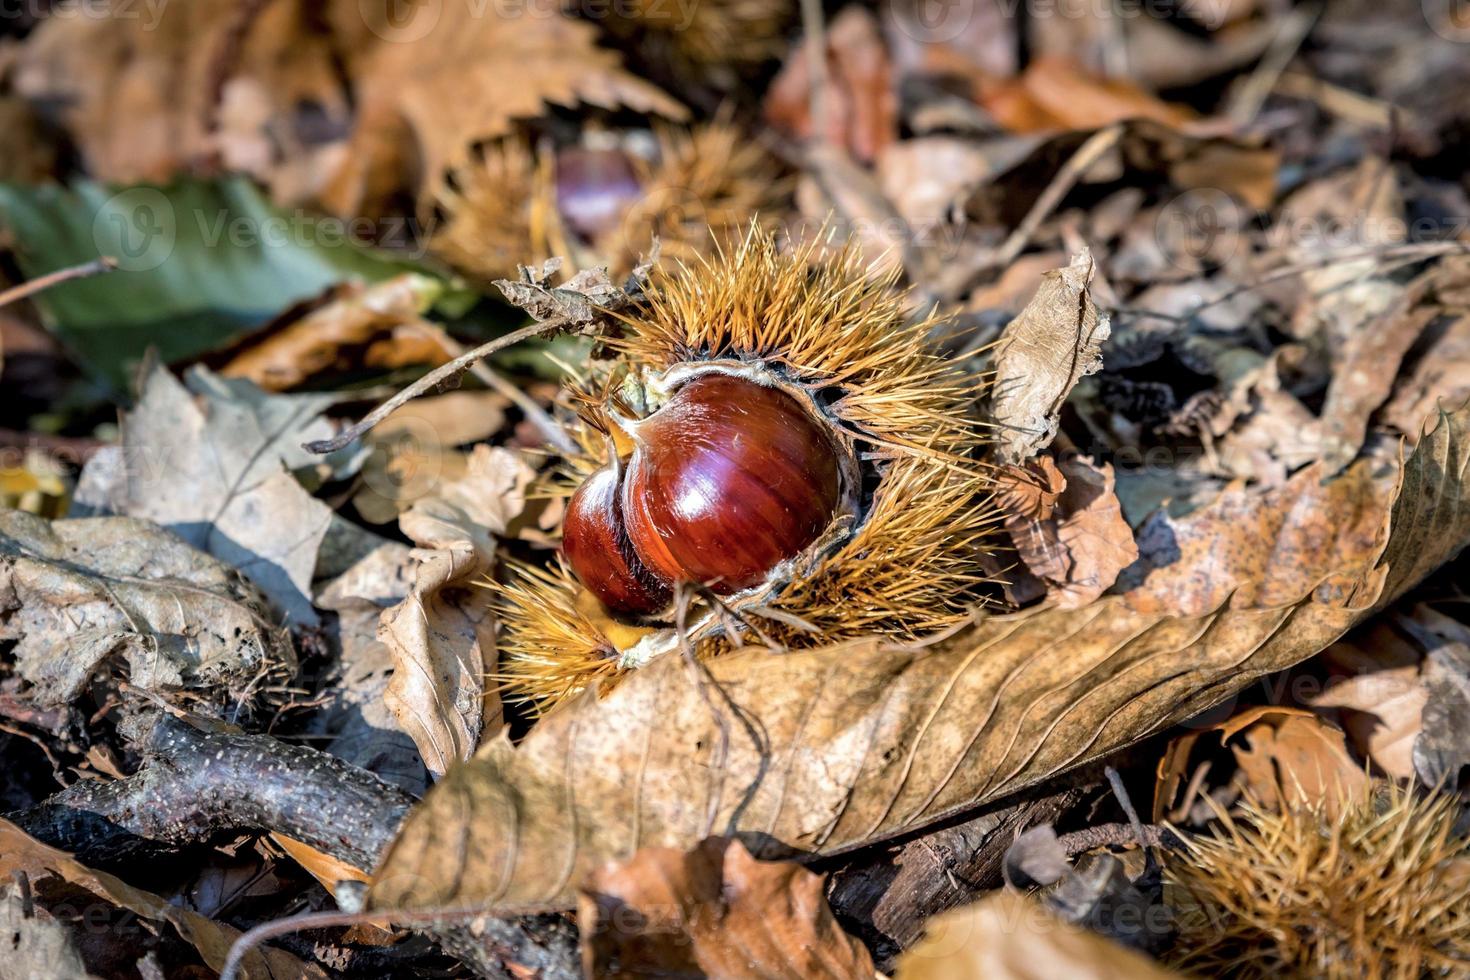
(770, 452)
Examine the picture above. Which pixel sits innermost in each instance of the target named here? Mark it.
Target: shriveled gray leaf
(866, 740)
(37, 944)
(75, 592)
(1042, 354)
(216, 472)
(576, 301)
(1442, 748)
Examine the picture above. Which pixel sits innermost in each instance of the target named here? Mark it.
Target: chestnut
(729, 478)
(596, 545)
(594, 188)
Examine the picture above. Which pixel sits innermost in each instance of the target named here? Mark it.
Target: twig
(444, 922)
(813, 24)
(1249, 98)
(84, 271)
(1115, 834)
(442, 374)
(1098, 144)
(1126, 802)
(198, 783)
(549, 428)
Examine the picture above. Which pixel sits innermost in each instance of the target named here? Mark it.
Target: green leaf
(200, 262)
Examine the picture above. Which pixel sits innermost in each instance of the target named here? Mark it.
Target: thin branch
(549, 428)
(84, 271)
(813, 24)
(1098, 144)
(438, 376)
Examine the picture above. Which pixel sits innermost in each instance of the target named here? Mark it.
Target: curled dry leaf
(361, 728)
(75, 592)
(862, 740)
(286, 357)
(1054, 343)
(1007, 936)
(1292, 758)
(442, 635)
(1376, 692)
(1054, 94)
(1068, 528)
(42, 865)
(576, 301)
(713, 911)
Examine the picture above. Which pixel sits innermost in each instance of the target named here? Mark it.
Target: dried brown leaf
(862, 740)
(712, 911)
(216, 471)
(1292, 758)
(288, 356)
(1261, 549)
(1054, 93)
(1007, 936)
(861, 95)
(442, 635)
(21, 854)
(134, 87)
(1054, 343)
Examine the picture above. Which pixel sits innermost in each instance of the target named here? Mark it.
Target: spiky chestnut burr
(904, 551)
(522, 203)
(727, 480)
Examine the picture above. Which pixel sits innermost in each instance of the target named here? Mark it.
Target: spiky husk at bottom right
(1382, 889)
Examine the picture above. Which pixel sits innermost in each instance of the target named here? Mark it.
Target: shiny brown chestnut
(596, 544)
(729, 478)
